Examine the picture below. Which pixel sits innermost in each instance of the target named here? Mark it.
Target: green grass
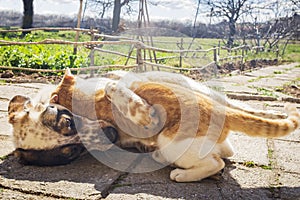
(292, 52)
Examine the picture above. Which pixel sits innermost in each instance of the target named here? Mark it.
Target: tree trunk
(28, 15)
(232, 32)
(116, 15)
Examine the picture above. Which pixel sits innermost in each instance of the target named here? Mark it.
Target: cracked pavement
(260, 169)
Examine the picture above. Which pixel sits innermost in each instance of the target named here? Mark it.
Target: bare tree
(28, 15)
(232, 10)
(100, 7)
(103, 6)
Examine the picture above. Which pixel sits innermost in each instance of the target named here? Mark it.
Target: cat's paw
(179, 175)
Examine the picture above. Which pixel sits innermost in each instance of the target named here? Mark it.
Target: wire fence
(145, 55)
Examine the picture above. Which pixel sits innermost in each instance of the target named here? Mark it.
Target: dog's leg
(131, 105)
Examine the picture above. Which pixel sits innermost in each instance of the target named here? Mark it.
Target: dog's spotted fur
(184, 125)
(46, 134)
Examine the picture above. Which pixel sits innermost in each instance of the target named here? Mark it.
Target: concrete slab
(242, 182)
(290, 188)
(157, 185)
(294, 137)
(270, 70)
(6, 194)
(287, 155)
(5, 127)
(85, 178)
(6, 144)
(249, 149)
(267, 83)
(193, 191)
(232, 87)
(3, 104)
(9, 90)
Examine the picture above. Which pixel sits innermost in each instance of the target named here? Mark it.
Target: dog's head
(52, 135)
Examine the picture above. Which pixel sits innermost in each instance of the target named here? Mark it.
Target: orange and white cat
(184, 125)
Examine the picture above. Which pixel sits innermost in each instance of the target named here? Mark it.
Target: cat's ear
(68, 74)
(54, 98)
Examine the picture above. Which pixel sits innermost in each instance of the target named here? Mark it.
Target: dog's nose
(51, 109)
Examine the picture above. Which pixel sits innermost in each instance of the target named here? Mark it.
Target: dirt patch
(231, 68)
(293, 90)
(10, 76)
(249, 65)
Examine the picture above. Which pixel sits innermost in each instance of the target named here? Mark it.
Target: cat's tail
(263, 127)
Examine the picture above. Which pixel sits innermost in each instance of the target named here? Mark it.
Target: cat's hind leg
(209, 166)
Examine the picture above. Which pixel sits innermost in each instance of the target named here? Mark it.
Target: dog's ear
(18, 104)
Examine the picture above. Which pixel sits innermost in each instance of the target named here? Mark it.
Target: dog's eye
(39, 107)
(68, 122)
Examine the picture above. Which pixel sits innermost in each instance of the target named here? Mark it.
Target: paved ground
(260, 169)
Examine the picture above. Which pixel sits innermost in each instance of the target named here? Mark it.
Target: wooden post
(243, 54)
(215, 55)
(181, 54)
(92, 53)
(219, 48)
(139, 59)
(277, 51)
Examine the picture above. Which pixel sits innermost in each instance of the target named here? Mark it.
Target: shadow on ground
(87, 178)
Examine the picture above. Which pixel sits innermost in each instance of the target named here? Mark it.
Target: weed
(265, 105)
(266, 167)
(266, 92)
(217, 88)
(3, 157)
(237, 84)
(249, 164)
(279, 89)
(2, 82)
(270, 153)
(278, 72)
(259, 78)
